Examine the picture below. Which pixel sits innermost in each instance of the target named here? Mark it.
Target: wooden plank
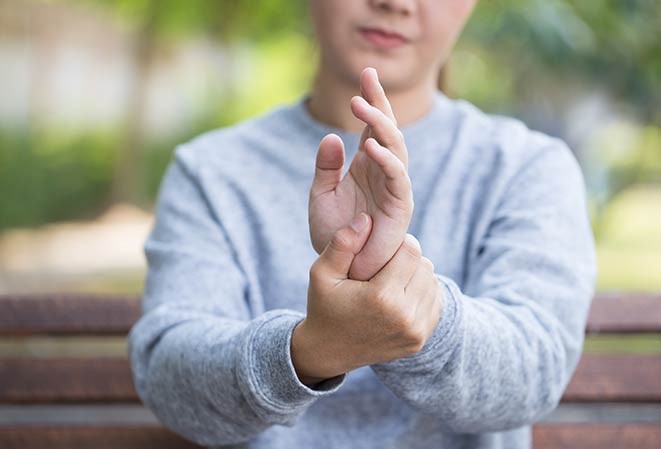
(109, 414)
(590, 412)
(597, 436)
(67, 314)
(625, 313)
(87, 414)
(615, 378)
(598, 378)
(563, 436)
(617, 312)
(97, 437)
(66, 380)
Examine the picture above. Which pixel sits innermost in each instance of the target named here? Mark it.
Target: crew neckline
(440, 103)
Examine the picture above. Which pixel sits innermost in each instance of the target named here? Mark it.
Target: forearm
(216, 380)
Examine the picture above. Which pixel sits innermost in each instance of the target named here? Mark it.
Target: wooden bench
(88, 399)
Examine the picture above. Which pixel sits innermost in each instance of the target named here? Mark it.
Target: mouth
(381, 38)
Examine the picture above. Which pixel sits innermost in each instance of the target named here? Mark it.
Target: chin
(390, 71)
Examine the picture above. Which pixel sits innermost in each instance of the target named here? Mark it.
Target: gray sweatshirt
(499, 209)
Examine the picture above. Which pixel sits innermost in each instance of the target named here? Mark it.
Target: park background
(95, 95)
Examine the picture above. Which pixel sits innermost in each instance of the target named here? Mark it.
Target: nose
(404, 7)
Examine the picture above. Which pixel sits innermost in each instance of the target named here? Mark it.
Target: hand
(352, 323)
(377, 182)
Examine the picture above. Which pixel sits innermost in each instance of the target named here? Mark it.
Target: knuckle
(341, 240)
(400, 169)
(316, 272)
(404, 321)
(427, 265)
(414, 339)
(381, 296)
(395, 204)
(395, 137)
(412, 247)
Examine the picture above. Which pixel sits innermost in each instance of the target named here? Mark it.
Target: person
(432, 294)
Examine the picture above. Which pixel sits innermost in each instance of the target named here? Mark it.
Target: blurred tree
(615, 43)
(157, 23)
(510, 48)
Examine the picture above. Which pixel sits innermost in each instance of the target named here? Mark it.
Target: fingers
(398, 182)
(375, 110)
(383, 129)
(328, 165)
(401, 267)
(335, 260)
(372, 90)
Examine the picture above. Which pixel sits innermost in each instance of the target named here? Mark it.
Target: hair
(441, 82)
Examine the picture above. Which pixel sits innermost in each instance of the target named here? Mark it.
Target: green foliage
(226, 19)
(53, 177)
(614, 43)
(275, 75)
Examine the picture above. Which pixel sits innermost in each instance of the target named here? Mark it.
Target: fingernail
(359, 222)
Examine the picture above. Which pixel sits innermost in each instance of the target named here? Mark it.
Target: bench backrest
(58, 401)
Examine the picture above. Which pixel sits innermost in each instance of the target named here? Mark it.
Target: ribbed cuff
(266, 372)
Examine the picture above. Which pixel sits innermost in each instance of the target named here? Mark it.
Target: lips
(382, 38)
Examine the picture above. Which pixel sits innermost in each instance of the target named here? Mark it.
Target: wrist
(306, 359)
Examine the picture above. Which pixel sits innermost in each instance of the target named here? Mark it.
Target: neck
(329, 101)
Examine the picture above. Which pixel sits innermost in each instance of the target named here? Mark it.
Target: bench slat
(625, 313)
(583, 436)
(598, 378)
(25, 380)
(98, 437)
(67, 314)
(107, 315)
(597, 436)
(604, 377)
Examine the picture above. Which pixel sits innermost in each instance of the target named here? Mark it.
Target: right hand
(352, 323)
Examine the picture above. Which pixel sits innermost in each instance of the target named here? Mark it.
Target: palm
(364, 188)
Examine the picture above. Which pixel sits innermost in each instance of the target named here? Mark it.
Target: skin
(376, 275)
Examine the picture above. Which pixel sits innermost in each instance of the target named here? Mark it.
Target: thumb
(328, 166)
(338, 255)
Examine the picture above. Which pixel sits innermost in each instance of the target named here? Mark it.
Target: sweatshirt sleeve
(506, 346)
(200, 362)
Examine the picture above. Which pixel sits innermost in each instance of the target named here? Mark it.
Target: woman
(289, 306)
